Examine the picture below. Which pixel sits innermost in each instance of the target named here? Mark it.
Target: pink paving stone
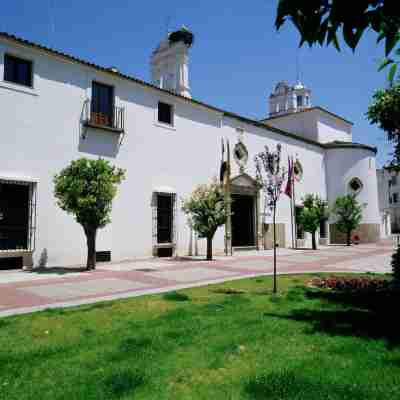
(29, 293)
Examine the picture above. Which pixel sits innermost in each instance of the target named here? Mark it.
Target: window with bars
(322, 229)
(18, 70)
(299, 227)
(17, 215)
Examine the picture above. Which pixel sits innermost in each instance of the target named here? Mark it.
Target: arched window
(299, 101)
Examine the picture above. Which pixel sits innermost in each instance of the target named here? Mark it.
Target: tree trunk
(348, 238)
(314, 241)
(209, 247)
(274, 223)
(91, 233)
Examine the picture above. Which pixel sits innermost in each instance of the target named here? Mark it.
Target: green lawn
(205, 343)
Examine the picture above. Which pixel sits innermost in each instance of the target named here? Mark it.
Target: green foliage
(396, 264)
(314, 211)
(306, 344)
(385, 112)
(206, 209)
(86, 189)
(348, 212)
(318, 21)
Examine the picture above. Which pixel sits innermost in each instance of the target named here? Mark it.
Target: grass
(230, 341)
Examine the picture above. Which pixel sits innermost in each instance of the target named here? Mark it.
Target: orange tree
(86, 189)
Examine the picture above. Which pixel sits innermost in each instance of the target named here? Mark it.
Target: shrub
(341, 283)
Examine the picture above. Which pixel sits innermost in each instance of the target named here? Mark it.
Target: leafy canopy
(206, 209)
(314, 211)
(348, 213)
(318, 21)
(86, 189)
(385, 112)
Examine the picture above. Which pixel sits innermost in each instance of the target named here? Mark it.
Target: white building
(389, 199)
(56, 108)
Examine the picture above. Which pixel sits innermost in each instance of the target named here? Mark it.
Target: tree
(86, 189)
(318, 22)
(314, 211)
(348, 212)
(270, 176)
(385, 112)
(206, 211)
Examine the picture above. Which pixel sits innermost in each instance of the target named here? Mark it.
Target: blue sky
(236, 59)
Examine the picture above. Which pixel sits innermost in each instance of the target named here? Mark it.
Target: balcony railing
(114, 120)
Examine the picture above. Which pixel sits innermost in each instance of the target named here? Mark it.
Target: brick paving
(24, 292)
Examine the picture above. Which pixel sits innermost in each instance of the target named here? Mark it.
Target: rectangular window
(102, 106)
(17, 70)
(393, 181)
(299, 101)
(14, 216)
(299, 227)
(165, 113)
(395, 197)
(322, 229)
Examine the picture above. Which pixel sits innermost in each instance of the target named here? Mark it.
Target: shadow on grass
(3, 323)
(289, 384)
(123, 382)
(176, 296)
(369, 315)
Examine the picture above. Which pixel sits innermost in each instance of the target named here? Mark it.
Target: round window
(298, 171)
(355, 185)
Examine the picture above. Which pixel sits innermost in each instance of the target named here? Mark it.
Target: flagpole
(294, 209)
(291, 214)
(223, 182)
(228, 204)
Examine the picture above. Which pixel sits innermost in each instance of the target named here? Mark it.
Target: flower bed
(342, 283)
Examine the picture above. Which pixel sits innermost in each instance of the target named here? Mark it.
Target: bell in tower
(288, 99)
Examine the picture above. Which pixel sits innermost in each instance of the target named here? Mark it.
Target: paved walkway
(24, 292)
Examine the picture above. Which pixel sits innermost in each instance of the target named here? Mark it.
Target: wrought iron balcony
(112, 120)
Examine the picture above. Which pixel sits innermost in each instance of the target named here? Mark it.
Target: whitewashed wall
(343, 164)
(41, 133)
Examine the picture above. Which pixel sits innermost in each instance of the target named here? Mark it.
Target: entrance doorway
(164, 219)
(243, 220)
(164, 239)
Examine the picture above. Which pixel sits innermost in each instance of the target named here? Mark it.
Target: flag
(224, 166)
(289, 184)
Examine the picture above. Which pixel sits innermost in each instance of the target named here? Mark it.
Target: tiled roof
(259, 124)
(307, 110)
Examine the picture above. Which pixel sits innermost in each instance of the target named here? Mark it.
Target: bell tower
(288, 99)
(170, 62)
